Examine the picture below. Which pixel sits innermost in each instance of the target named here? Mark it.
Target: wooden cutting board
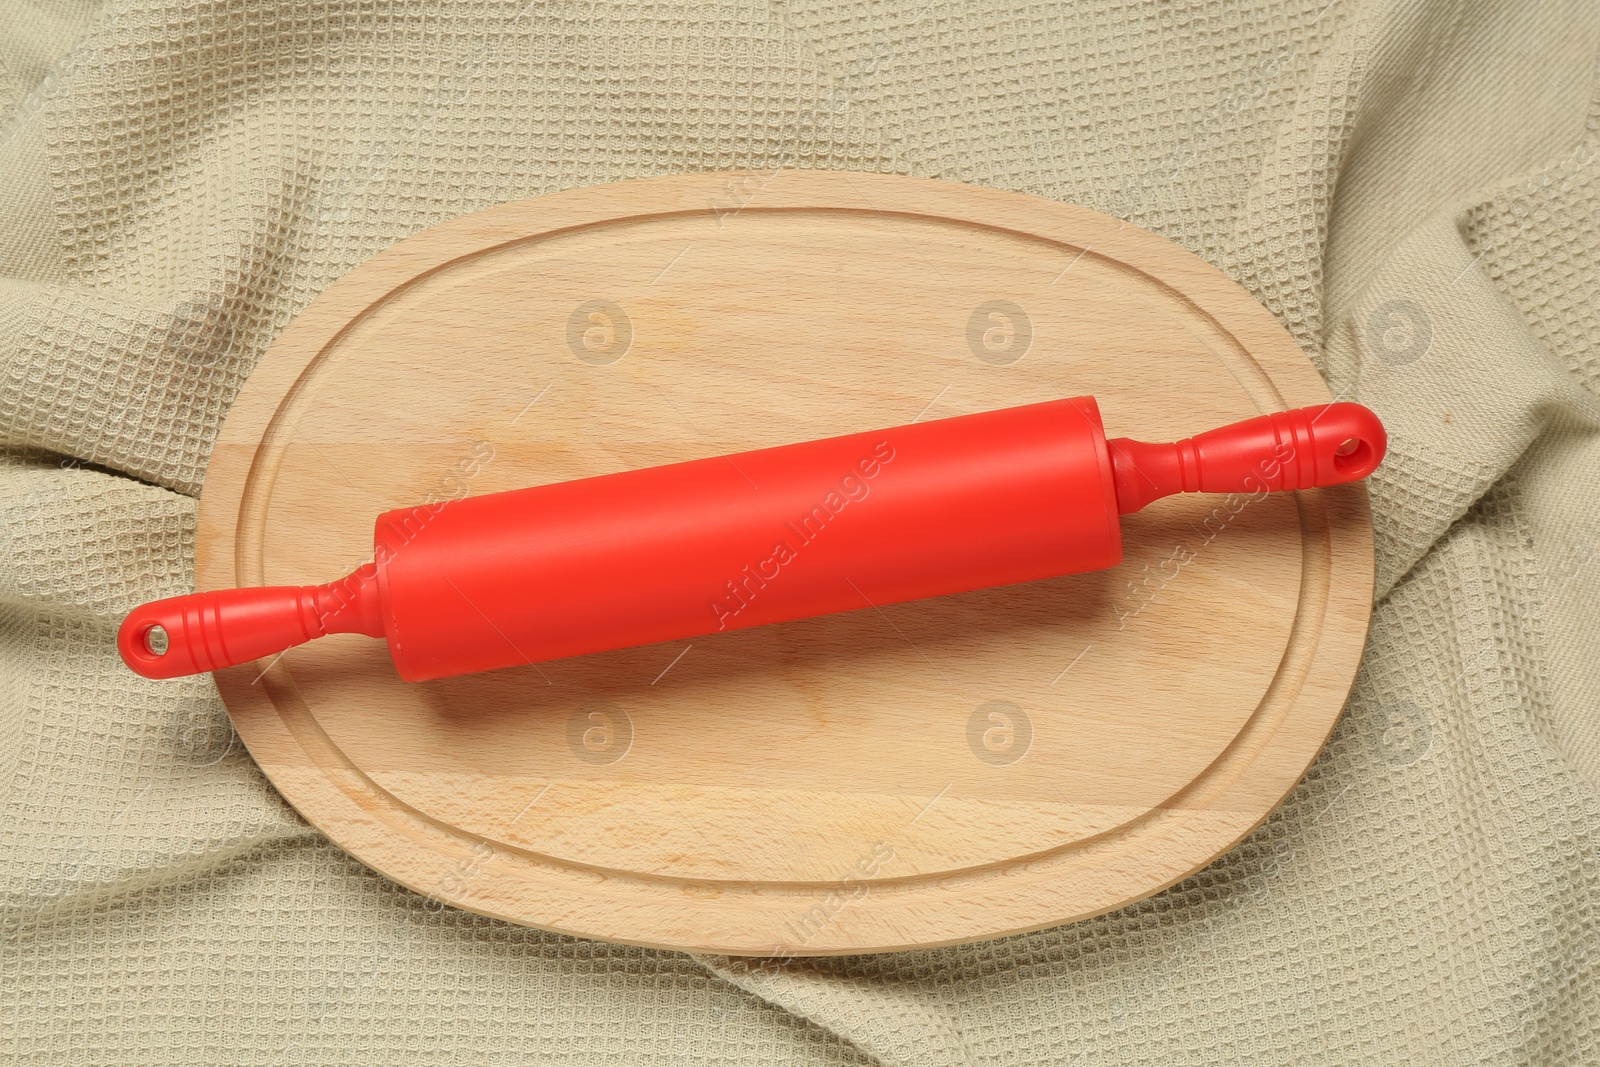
(923, 774)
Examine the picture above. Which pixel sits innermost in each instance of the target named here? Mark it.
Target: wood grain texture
(923, 774)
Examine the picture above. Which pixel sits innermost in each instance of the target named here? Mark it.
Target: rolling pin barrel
(728, 542)
(724, 543)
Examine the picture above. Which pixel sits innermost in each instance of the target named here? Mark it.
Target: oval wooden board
(925, 774)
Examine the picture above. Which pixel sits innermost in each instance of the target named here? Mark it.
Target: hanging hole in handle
(156, 641)
(1353, 458)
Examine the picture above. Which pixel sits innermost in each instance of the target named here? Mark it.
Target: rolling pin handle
(1300, 449)
(202, 632)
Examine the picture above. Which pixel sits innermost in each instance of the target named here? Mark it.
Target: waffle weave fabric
(1411, 186)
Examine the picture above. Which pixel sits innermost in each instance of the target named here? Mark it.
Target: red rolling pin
(742, 540)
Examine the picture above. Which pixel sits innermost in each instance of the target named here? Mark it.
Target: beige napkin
(1409, 186)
